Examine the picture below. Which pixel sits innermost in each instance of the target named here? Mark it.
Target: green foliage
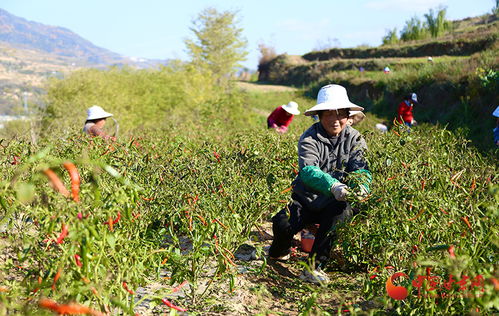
(218, 45)
(439, 196)
(137, 98)
(197, 170)
(414, 29)
(436, 22)
(391, 37)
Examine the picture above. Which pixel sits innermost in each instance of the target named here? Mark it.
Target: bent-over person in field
(282, 116)
(331, 161)
(96, 119)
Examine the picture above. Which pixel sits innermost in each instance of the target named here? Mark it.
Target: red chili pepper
(169, 304)
(78, 261)
(414, 249)
(451, 252)
(419, 214)
(176, 289)
(75, 180)
(111, 222)
(68, 309)
(496, 283)
(201, 218)
(118, 217)
(465, 219)
(56, 277)
(125, 286)
(423, 183)
(286, 190)
(63, 234)
(56, 183)
(219, 222)
(216, 156)
(15, 160)
(473, 185)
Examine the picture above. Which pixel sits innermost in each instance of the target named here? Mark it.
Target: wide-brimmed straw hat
(332, 97)
(496, 112)
(291, 108)
(96, 112)
(356, 116)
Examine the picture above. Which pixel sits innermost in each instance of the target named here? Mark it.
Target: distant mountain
(21, 33)
(31, 53)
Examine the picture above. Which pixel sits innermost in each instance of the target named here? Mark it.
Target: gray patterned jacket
(336, 156)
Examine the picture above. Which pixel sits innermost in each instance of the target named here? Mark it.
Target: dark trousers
(285, 226)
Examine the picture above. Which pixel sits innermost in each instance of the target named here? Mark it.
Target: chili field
(153, 223)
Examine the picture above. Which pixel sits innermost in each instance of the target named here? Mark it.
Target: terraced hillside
(458, 86)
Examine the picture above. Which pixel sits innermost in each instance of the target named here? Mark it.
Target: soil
(269, 287)
(260, 87)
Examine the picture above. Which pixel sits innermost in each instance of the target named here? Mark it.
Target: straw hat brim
(98, 116)
(327, 106)
(290, 110)
(357, 117)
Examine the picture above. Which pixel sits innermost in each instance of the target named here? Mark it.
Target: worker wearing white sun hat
(496, 130)
(96, 119)
(330, 153)
(282, 116)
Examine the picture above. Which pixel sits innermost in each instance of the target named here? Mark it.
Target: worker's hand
(282, 129)
(339, 191)
(362, 193)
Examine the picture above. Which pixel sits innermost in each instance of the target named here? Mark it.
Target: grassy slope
(457, 91)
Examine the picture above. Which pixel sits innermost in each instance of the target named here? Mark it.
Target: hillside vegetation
(461, 78)
(173, 217)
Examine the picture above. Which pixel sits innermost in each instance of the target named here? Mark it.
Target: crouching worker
(282, 116)
(329, 153)
(96, 119)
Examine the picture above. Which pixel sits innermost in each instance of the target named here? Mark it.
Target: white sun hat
(291, 108)
(332, 97)
(356, 116)
(96, 112)
(496, 112)
(414, 97)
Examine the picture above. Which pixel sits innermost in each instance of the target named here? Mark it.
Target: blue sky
(157, 28)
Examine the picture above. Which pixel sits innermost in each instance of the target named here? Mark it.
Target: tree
(391, 37)
(437, 24)
(218, 45)
(414, 29)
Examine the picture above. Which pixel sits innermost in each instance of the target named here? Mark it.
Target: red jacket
(405, 112)
(279, 117)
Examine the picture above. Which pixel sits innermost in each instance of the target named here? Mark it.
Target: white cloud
(416, 6)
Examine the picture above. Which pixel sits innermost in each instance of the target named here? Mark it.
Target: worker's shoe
(316, 276)
(280, 258)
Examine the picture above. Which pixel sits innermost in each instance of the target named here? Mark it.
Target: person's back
(405, 108)
(282, 116)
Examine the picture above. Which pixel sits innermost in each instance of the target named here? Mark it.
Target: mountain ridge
(22, 33)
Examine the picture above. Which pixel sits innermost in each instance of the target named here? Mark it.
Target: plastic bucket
(307, 241)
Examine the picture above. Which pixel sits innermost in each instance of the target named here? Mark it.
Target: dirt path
(258, 87)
